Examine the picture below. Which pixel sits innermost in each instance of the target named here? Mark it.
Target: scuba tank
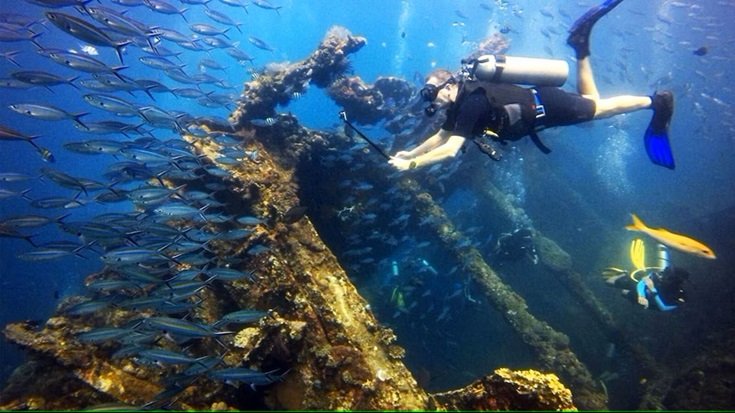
(518, 70)
(662, 253)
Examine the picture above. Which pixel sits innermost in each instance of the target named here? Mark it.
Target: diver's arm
(449, 149)
(430, 143)
(641, 293)
(661, 304)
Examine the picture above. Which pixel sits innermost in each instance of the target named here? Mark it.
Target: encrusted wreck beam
(510, 390)
(279, 82)
(56, 342)
(341, 357)
(551, 346)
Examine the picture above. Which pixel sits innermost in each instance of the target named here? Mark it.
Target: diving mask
(429, 94)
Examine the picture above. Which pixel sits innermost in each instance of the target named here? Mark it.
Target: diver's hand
(403, 155)
(402, 164)
(643, 301)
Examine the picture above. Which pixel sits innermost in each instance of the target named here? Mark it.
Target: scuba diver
(516, 245)
(662, 285)
(484, 105)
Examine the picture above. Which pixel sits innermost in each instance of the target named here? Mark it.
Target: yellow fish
(673, 240)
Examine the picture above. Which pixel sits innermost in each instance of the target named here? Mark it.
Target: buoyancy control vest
(516, 109)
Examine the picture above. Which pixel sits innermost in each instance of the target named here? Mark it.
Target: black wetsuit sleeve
(469, 116)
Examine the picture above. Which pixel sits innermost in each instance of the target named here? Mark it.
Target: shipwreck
(318, 344)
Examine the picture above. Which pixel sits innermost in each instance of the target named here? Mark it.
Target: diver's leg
(579, 34)
(656, 138)
(585, 79)
(617, 105)
(662, 104)
(579, 40)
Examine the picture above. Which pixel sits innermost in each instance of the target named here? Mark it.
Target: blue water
(637, 49)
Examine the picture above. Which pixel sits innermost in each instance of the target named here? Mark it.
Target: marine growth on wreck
(256, 263)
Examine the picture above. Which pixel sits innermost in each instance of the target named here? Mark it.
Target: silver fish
(112, 104)
(15, 84)
(46, 112)
(10, 232)
(63, 179)
(264, 4)
(112, 127)
(217, 42)
(132, 255)
(239, 55)
(260, 44)
(244, 375)
(235, 3)
(158, 62)
(8, 36)
(7, 133)
(45, 254)
(128, 3)
(103, 334)
(13, 177)
(164, 356)
(122, 24)
(57, 202)
(87, 32)
(240, 317)
(208, 30)
(173, 35)
(220, 17)
(181, 327)
(84, 63)
(56, 4)
(31, 221)
(211, 64)
(40, 78)
(160, 6)
(230, 274)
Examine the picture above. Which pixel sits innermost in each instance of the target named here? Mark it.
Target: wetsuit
(667, 293)
(512, 111)
(654, 294)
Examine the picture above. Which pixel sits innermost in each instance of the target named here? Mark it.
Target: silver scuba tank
(662, 253)
(520, 70)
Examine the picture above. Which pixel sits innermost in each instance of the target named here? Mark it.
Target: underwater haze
(580, 195)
